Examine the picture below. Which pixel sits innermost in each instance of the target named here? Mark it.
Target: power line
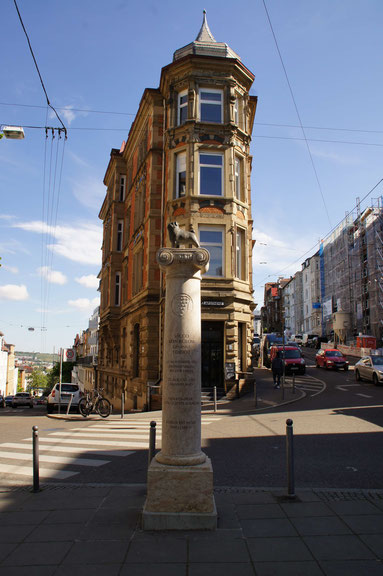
(297, 112)
(324, 238)
(37, 68)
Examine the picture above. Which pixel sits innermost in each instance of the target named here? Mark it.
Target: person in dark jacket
(277, 370)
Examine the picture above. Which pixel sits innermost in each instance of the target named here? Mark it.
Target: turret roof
(205, 45)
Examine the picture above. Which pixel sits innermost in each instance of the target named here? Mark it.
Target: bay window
(210, 174)
(180, 175)
(241, 254)
(211, 105)
(182, 109)
(212, 238)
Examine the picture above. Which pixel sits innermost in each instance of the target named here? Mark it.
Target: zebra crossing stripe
(43, 472)
(84, 442)
(70, 449)
(144, 438)
(55, 459)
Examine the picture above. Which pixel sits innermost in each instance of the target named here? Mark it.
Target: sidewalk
(77, 530)
(95, 529)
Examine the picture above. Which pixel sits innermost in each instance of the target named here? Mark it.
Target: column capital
(197, 258)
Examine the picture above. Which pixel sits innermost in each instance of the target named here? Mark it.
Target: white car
(68, 391)
(370, 368)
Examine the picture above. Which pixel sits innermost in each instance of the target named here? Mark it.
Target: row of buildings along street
(338, 293)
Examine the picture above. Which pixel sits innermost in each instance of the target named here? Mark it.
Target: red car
(331, 358)
(293, 359)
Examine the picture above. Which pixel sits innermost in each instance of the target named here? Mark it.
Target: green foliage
(37, 380)
(53, 375)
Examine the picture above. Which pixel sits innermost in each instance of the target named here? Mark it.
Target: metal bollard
(122, 405)
(152, 441)
(35, 440)
(215, 398)
(290, 458)
(69, 404)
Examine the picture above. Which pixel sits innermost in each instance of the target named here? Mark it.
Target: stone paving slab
(260, 533)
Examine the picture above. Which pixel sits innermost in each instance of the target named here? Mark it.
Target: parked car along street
(8, 400)
(22, 399)
(2, 401)
(67, 391)
(370, 368)
(331, 358)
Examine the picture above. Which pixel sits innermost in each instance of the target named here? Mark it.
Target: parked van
(297, 338)
(308, 338)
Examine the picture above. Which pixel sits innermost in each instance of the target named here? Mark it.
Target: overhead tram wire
(297, 112)
(46, 259)
(302, 257)
(37, 68)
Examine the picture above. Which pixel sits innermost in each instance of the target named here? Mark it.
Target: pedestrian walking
(277, 370)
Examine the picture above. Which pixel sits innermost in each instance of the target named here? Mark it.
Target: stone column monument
(180, 477)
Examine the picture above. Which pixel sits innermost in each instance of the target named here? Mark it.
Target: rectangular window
(211, 174)
(236, 112)
(180, 175)
(117, 289)
(211, 238)
(182, 111)
(238, 178)
(241, 254)
(121, 196)
(138, 261)
(120, 226)
(211, 109)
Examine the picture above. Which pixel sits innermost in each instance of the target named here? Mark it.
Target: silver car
(370, 368)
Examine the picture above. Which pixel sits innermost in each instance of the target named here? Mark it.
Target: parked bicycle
(94, 401)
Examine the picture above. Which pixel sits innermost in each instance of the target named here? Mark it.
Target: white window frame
(117, 289)
(217, 103)
(207, 228)
(214, 166)
(180, 167)
(121, 193)
(120, 235)
(240, 261)
(238, 177)
(181, 106)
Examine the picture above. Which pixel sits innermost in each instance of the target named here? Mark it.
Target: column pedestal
(180, 477)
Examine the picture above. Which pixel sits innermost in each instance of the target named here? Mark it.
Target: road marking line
(71, 449)
(97, 434)
(54, 459)
(44, 472)
(346, 386)
(364, 395)
(84, 442)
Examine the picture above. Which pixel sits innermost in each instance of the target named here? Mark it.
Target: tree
(53, 376)
(37, 381)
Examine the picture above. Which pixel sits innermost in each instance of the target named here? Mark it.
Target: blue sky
(96, 57)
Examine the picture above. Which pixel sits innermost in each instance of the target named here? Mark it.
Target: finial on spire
(204, 34)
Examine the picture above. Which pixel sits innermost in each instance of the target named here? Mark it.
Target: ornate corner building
(187, 159)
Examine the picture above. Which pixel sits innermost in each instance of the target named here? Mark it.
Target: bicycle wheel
(103, 407)
(84, 407)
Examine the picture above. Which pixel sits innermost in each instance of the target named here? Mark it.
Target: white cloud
(79, 243)
(90, 192)
(13, 292)
(68, 114)
(11, 269)
(85, 304)
(89, 281)
(52, 276)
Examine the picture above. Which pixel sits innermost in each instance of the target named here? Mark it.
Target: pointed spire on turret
(205, 45)
(205, 35)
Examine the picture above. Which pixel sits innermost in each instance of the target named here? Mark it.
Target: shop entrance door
(212, 354)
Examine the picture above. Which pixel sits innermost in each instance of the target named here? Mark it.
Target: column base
(180, 498)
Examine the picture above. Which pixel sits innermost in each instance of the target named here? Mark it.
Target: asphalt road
(337, 441)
